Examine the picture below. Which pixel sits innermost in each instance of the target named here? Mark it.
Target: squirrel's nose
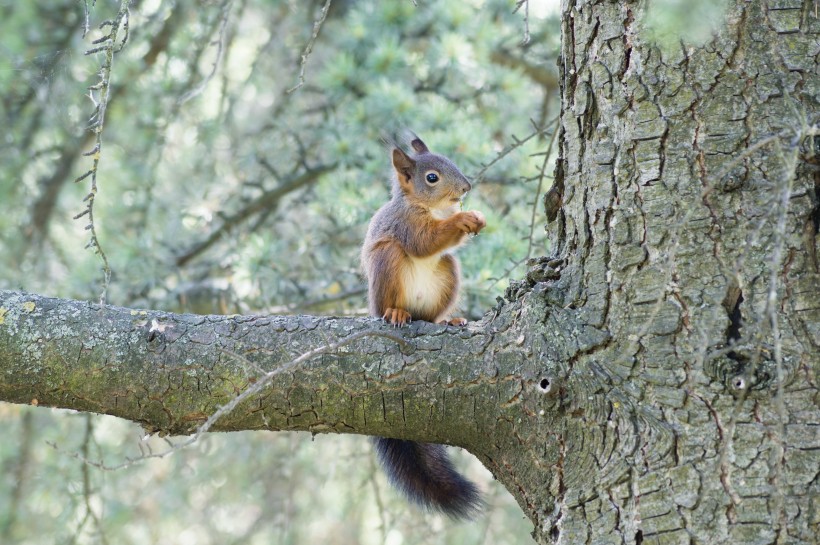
(466, 187)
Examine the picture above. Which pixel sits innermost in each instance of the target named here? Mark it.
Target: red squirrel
(412, 275)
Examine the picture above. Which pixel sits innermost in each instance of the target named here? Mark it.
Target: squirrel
(412, 275)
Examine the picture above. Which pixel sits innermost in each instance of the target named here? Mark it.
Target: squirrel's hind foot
(459, 322)
(396, 317)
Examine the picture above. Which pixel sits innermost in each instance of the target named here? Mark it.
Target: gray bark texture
(654, 381)
(689, 188)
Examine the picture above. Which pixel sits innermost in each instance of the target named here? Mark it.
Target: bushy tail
(427, 477)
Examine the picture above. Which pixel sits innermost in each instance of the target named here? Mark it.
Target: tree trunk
(654, 381)
(689, 227)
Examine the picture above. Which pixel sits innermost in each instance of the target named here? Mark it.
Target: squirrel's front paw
(471, 222)
(396, 317)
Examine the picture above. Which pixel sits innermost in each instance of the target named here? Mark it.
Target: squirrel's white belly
(424, 284)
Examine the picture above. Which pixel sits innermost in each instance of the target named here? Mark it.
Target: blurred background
(220, 192)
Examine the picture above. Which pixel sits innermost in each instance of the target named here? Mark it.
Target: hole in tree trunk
(734, 297)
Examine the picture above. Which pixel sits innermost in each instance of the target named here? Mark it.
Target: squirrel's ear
(419, 146)
(404, 166)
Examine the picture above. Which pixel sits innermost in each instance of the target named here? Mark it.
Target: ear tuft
(388, 141)
(418, 145)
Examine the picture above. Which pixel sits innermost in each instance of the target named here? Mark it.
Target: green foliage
(184, 152)
(171, 170)
(669, 23)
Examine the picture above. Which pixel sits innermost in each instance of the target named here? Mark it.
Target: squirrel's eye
(432, 177)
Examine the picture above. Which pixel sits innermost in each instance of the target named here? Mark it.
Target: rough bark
(689, 227)
(653, 381)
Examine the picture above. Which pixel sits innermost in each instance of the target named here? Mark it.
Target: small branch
(302, 306)
(20, 476)
(545, 77)
(220, 43)
(90, 515)
(70, 151)
(267, 202)
(86, 24)
(103, 87)
(541, 176)
(317, 26)
(507, 150)
(526, 39)
(371, 477)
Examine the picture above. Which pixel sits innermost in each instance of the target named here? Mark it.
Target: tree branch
(179, 374)
(481, 387)
(269, 200)
(501, 388)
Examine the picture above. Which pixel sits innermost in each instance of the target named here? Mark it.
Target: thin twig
(541, 177)
(779, 429)
(86, 24)
(87, 492)
(268, 201)
(507, 150)
(103, 86)
(779, 210)
(317, 26)
(526, 4)
(220, 48)
(380, 509)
